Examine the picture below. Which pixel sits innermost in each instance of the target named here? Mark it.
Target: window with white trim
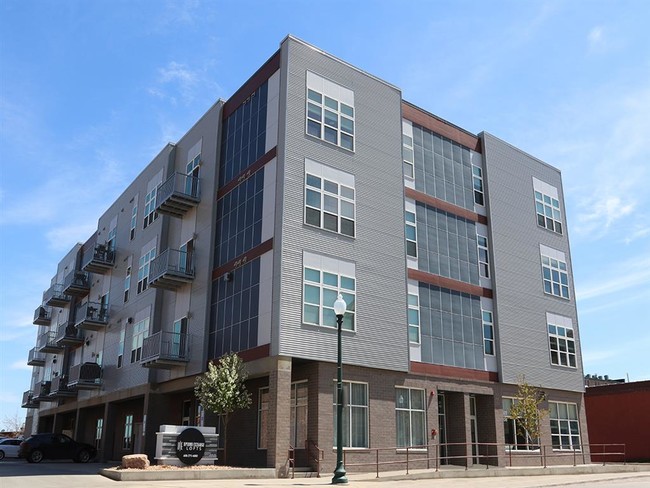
(127, 284)
(143, 269)
(562, 345)
(355, 414)
(483, 257)
(298, 429)
(556, 277)
(112, 235)
(262, 417)
(565, 428)
(411, 234)
(127, 439)
(329, 205)
(414, 318)
(410, 417)
(548, 212)
(150, 213)
(477, 179)
(134, 221)
(513, 433)
(140, 331)
(407, 156)
(120, 348)
(330, 120)
(488, 333)
(99, 428)
(320, 290)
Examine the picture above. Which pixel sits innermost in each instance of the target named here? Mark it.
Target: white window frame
(483, 256)
(150, 214)
(143, 269)
(134, 222)
(564, 428)
(140, 332)
(408, 400)
(99, 428)
(411, 232)
(127, 440)
(325, 287)
(347, 412)
(549, 215)
(413, 318)
(127, 284)
(120, 348)
(320, 193)
(408, 167)
(477, 185)
(513, 425)
(488, 332)
(319, 126)
(553, 269)
(561, 340)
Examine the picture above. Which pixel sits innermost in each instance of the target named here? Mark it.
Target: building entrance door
(299, 418)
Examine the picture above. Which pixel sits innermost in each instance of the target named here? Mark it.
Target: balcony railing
(60, 388)
(55, 297)
(92, 316)
(99, 260)
(42, 390)
(85, 376)
(28, 400)
(178, 194)
(47, 343)
(77, 283)
(35, 357)
(42, 315)
(165, 350)
(67, 334)
(171, 269)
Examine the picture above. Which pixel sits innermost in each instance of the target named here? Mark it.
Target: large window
(407, 156)
(548, 212)
(414, 318)
(320, 289)
(556, 277)
(411, 417)
(150, 213)
(565, 428)
(329, 205)
(514, 434)
(477, 180)
(562, 345)
(488, 333)
(483, 257)
(411, 235)
(355, 414)
(140, 331)
(330, 119)
(262, 417)
(143, 269)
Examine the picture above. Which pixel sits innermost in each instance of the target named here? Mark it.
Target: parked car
(55, 446)
(9, 447)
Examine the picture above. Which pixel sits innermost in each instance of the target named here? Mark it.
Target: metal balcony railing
(55, 296)
(171, 269)
(47, 342)
(67, 334)
(91, 316)
(77, 283)
(98, 260)
(28, 400)
(35, 357)
(165, 350)
(85, 376)
(60, 388)
(42, 390)
(178, 194)
(42, 315)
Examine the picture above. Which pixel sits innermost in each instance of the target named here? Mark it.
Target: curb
(188, 474)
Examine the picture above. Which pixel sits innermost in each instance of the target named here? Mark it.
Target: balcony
(92, 316)
(42, 315)
(47, 343)
(55, 297)
(35, 357)
(178, 194)
(171, 270)
(41, 391)
(100, 260)
(60, 388)
(67, 334)
(76, 283)
(165, 350)
(28, 400)
(86, 376)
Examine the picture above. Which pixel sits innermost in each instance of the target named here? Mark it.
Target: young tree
(526, 411)
(13, 423)
(221, 390)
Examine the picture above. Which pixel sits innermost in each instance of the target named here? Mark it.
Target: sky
(90, 92)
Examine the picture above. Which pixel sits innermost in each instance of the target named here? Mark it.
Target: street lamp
(339, 472)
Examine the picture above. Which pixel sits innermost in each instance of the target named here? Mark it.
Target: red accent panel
(446, 206)
(233, 264)
(253, 83)
(244, 175)
(254, 353)
(453, 372)
(441, 281)
(439, 126)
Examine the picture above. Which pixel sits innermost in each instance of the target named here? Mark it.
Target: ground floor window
(127, 440)
(355, 414)
(262, 417)
(299, 414)
(515, 435)
(410, 417)
(565, 428)
(99, 427)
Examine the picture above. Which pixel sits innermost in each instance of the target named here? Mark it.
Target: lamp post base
(339, 475)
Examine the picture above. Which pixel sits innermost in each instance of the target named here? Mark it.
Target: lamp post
(339, 471)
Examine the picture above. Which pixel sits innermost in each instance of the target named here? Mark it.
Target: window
(150, 213)
(477, 179)
(120, 349)
(187, 412)
(411, 235)
(143, 270)
(562, 345)
(414, 318)
(262, 417)
(134, 220)
(330, 120)
(298, 434)
(556, 277)
(192, 169)
(140, 331)
(355, 414)
(127, 440)
(110, 244)
(329, 205)
(411, 417)
(179, 338)
(565, 428)
(483, 258)
(407, 156)
(99, 427)
(127, 284)
(320, 289)
(514, 435)
(548, 212)
(488, 333)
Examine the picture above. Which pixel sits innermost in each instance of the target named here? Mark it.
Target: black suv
(55, 446)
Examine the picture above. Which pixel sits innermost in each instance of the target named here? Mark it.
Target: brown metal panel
(446, 206)
(453, 372)
(449, 283)
(233, 264)
(247, 173)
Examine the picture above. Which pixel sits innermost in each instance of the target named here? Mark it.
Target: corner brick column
(458, 428)
(279, 416)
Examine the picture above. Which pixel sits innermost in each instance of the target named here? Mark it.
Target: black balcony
(41, 391)
(28, 400)
(92, 316)
(178, 194)
(76, 283)
(55, 297)
(36, 358)
(47, 343)
(171, 270)
(86, 376)
(98, 260)
(42, 315)
(165, 350)
(60, 388)
(67, 334)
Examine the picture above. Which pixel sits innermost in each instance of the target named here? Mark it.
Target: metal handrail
(92, 311)
(178, 183)
(291, 457)
(77, 278)
(166, 345)
(101, 253)
(43, 312)
(311, 446)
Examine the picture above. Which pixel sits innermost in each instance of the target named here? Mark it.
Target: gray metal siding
(520, 304)
(378, 250)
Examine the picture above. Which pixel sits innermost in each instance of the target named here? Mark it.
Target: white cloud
(595, 36)
(600, 212)
(633, 273)
(20, 365)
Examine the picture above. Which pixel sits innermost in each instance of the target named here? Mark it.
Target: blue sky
(91, 91)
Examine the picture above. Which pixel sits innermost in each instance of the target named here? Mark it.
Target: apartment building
(317, 178)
